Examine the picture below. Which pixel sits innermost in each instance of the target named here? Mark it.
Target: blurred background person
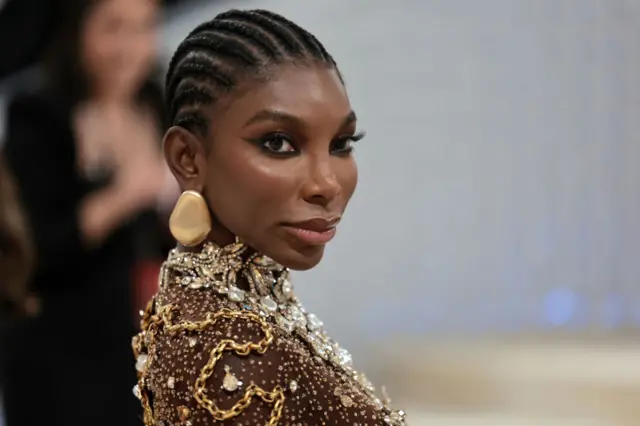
(83, 144)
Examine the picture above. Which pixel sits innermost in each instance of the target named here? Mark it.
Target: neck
(221, 236)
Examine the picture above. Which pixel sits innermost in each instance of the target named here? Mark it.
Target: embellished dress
(212, 353)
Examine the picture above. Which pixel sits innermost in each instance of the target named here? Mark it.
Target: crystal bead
(293, 386)
(230, 383)
(366, 383)
(320, 347)
(193, 342)
(235, 294)
(141, 363)
(185, 281)
(136, 392)
(184, 413)
(397, 416)
(284, 323)
(313, 322)
(343, 358)
(297, 317)
(196, 284)
(287, 289)
(264, 261)
(171, 383)
(377, 404)
(269, 304)
(346, 400)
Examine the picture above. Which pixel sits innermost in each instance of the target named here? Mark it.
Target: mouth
(314, 232)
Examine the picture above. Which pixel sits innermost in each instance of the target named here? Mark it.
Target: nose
(321, 186)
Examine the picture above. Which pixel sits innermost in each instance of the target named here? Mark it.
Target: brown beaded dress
(212, 353)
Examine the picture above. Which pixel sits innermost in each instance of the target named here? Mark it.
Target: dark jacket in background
(72, 364)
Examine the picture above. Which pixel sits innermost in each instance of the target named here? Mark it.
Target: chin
(301, 260)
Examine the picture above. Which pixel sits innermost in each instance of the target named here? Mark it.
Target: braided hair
(213, 58)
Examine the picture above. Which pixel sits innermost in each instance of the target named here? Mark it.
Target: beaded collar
(271, 296)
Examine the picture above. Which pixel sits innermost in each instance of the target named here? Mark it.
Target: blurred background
(488, 267)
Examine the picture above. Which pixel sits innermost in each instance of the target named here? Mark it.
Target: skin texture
(254, 193)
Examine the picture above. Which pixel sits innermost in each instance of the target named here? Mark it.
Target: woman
(262, 148)
(85, 151)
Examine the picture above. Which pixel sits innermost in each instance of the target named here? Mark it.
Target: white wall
(500, 163)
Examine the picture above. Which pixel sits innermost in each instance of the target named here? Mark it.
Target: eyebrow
(283, 117)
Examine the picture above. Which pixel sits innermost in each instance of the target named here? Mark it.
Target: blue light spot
(560, 306)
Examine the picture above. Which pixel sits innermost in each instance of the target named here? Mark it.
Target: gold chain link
(151, 322)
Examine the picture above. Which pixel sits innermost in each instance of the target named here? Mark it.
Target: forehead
(314, 94)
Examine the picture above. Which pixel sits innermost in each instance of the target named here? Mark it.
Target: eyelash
(287, 139)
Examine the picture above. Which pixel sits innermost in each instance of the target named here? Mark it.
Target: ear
(186, 157)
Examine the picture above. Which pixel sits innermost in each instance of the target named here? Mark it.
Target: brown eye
(344, 144)
(278, 144)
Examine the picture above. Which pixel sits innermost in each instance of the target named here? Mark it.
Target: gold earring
(190, 221)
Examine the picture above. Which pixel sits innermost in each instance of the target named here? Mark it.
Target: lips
(317, 231)
(317, 224)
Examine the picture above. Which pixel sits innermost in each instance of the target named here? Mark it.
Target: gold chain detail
(165, 317)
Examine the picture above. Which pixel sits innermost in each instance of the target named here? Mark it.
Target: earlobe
(186, 158)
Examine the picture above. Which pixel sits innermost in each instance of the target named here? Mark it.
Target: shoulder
(215, 359)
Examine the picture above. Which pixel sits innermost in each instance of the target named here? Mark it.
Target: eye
(278, 143)
(344, 144)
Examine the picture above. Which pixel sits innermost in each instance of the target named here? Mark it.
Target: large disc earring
(190, 221)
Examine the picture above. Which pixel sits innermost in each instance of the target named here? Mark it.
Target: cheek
(251, 190)
(347, 176)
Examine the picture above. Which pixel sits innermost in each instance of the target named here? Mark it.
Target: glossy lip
(314, 232)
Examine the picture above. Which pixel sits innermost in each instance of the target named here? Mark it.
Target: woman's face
(278, 170)
(118, 44)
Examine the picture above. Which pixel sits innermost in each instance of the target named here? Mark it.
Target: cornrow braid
(310, 42)
(214, 57)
